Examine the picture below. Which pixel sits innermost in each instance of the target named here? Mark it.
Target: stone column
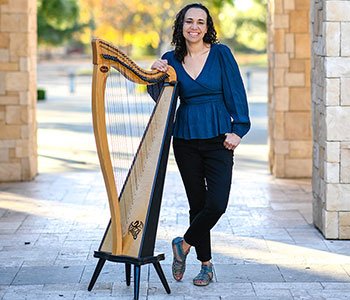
(289, 99)
(331, 116)
(18, 136)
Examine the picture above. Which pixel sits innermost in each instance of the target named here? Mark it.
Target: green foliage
(57, 21)
(245, 30)
(41, 94)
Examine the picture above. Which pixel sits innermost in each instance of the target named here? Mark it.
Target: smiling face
(195, 25)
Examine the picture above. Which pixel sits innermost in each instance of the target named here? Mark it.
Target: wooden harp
(134, 208)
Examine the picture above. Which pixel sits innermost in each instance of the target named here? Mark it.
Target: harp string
(128, 107)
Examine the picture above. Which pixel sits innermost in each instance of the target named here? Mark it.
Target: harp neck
(106, 55)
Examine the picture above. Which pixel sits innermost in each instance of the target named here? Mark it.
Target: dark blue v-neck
(215, 102)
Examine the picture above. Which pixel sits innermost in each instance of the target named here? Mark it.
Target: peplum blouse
(215, 102)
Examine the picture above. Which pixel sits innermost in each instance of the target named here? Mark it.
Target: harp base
(128, 261)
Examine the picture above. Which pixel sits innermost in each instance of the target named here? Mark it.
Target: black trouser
(206, 169)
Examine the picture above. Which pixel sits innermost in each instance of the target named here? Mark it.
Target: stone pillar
(289, 99)
(330, 32)
(18, 130)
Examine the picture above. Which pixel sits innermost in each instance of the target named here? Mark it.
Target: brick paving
(264, 246)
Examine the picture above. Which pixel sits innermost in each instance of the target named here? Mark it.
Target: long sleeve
(234, 93)
(155, 89)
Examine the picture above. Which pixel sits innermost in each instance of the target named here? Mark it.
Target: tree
(245, 30)
(57, 21)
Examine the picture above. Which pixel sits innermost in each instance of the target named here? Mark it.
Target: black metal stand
(137, 262)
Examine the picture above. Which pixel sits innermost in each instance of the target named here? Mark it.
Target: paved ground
(264, 247)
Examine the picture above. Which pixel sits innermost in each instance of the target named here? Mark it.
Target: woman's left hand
(232, 141)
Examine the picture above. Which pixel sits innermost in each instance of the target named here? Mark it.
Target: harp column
(18, 130)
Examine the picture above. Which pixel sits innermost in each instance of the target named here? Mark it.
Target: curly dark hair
(178, 39)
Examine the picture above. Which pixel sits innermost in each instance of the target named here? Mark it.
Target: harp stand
(137, 262)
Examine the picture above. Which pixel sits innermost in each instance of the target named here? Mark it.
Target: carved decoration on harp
(135, 203)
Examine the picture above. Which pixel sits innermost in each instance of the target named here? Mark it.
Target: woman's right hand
(160, 65)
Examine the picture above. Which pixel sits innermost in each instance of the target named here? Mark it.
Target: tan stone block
(281, 21)
(344, 232)
(281, 99)
(278, 78)
(10, 172)
(299, 21)
(300, 99)
(332, 91)
(4, 40)
(337, 66)
(345, 91)
(2, 115)
(4, 155)
(337, 11)
(290, 42)
(337, 120)
(337, 196)
(10, 131)
(281, 60)
(17, 81)
(24, 64)
(345, 39)
(7, 143)
(26, 131)
(32, 23)
(345, 163)
(330, 224)
(331, 172)
(332, 38)
(19, 45)
(22, 149)
(278, 166)
(279, 40)
(10, 23)
(302, 4)
(4, 100)
(2, 83)
(289, 4)
(298, 168)
(308, 73)
(25, 115)
(300, 149)
(332, 152)
(9, 67)
(279, 125)
(278, 5)
(344, 218)
(25, 98)
(281, 147)
(4, 56)
(16, 6)
(298, 126)
(295, 79)
(29, 167)
(297, 65)
(13, 114)
(302, 45)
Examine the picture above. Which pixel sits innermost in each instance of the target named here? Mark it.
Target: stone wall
(18, 138)
(289, 99)
(330, 31)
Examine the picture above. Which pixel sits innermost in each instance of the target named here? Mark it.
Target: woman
(210, 122)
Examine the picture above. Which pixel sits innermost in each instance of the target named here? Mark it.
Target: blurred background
(143, 30)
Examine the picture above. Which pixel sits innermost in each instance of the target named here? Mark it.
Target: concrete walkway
(264, 247)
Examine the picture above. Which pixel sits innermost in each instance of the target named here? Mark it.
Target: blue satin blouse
(215, 102)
